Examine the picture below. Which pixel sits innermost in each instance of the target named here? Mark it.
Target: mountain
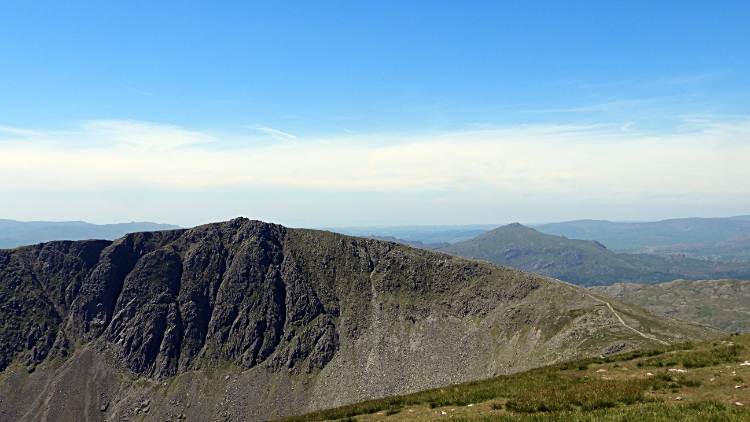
(721, 303)
(18, 233)
(247, 321)
(414, 243)
(586, 262)
(635, 237)
(736, 248)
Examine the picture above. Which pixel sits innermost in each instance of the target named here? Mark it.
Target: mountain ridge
(637, 236)
(249, 320)
(735, 248)
(23, 233)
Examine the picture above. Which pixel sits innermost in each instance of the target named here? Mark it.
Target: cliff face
(245, 320)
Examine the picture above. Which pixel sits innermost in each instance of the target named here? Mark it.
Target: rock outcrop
(245, 320)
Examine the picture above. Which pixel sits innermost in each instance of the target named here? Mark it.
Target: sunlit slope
(685, 382)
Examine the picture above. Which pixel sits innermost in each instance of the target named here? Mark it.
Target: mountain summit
(246, 320)
(586, 262)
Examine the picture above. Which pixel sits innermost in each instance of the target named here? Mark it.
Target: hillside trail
(620, 319)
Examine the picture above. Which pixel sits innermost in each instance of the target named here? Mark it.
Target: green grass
(703, 411)
(593, 394)
(581, 390)
(697, 358)
(504, 386)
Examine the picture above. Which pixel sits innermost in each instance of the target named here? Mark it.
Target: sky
(334, 113)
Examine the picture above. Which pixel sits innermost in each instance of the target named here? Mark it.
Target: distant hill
(586, 262)
(636, 237)
(20, 233)
(721, 303)
(415, 243)
(734, 248)
(423, 233)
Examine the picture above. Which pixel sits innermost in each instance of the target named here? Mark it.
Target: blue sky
(337, 113)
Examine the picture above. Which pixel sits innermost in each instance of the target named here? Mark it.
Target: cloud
(141, 137)
(20, 132)
(577, 162)
(141, 92)
(692, 79)
(273, 132)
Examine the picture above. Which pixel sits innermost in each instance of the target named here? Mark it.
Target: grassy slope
(585, 263)
(721, 303)
(692, 382)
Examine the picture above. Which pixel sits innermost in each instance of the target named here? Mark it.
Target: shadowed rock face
(296, 319)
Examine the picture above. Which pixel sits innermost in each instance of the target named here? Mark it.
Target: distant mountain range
(248, 321)
(715, 239)
(20, 233)
(732, 249)
(586, 262)
(721, 303)
(645, 237)
(415, 243)
(422, 233)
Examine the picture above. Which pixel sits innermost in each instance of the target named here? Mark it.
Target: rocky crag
(247, 321)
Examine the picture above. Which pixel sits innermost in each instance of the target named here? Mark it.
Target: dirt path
(621, 320)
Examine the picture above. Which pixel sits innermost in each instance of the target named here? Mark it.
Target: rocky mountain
(20, 233)
(586, 262)
(636, 237)
(721, 303)
(248, 321)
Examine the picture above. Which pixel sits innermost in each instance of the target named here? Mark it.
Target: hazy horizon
(384, 113)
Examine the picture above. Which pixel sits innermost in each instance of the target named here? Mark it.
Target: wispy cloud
(582, 162)
(609, 106)
(20, 132)
(130, 88)
(692, 79)
(273, 132)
